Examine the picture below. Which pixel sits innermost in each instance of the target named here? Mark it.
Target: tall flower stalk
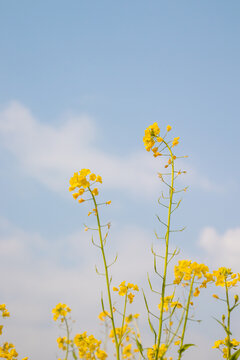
(225, 278)
(85, 181)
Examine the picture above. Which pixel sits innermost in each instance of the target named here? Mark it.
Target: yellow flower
(175, 141)
(60, 310)
(215, 296)
(92, 177)
(234, 342)
(108, 202)
(127, 351)
(99, 179)
(169, 128)
(150, 134)
(101, 354)
(95, 192)
(75, 195)
(130, 297)
(81, 200)
(196, 292)
(103, 315)
(217, 343)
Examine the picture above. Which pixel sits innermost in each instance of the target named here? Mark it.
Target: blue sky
(79, 83)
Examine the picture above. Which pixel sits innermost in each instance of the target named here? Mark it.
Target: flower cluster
(123, 290)
(169, 303)
(5, 312)
(151, 353)
(89, 347)
(124, 336)
(186, 269)
(152, 140)
(61, 310)
(102, 316)
(63, 342)
(222, 345)
(224, 276)
(7, 350)
(83, 180)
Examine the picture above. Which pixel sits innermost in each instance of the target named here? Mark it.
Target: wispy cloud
(51, 153)
(221, 249)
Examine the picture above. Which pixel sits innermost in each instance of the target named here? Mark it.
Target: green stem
(186, 317)
(68, 333)
(107, 276)
(123, 319)
(228, 321)
(176, 331)
(166, 254)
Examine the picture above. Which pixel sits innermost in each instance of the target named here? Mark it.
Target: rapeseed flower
(61, 310)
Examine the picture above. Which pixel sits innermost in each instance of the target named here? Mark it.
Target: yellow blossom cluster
(127, 351)
(169, 303)
(123, 334)
(186, 269)
(63, 342)
(82, 181)
(124, 331)
(151, 134)
(102, 316)
(130, 317)
(152, 140)
(151, 353)
(123, 290)
(89, 347)
(5, 312)
(224, 275)
(61, 310)
(223, 345)
(7, 350)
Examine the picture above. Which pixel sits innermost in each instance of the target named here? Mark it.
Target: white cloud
(52, 153)
(221, 250)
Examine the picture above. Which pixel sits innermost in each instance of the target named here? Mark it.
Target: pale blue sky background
(122, 66)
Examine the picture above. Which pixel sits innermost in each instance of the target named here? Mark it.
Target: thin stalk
(166, 254)
(68, 334)
(228, 321)
(123, 319)
(106, 276)
(186, 317)
(176, 332)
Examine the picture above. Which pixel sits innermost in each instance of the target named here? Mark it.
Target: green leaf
(103, 309)
(145, 300)
(140, 348)
(224, 326)
(152, 328)
(185, 347)
(74, 355)
(236, 355)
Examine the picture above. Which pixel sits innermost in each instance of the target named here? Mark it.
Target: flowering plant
(170, 321)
